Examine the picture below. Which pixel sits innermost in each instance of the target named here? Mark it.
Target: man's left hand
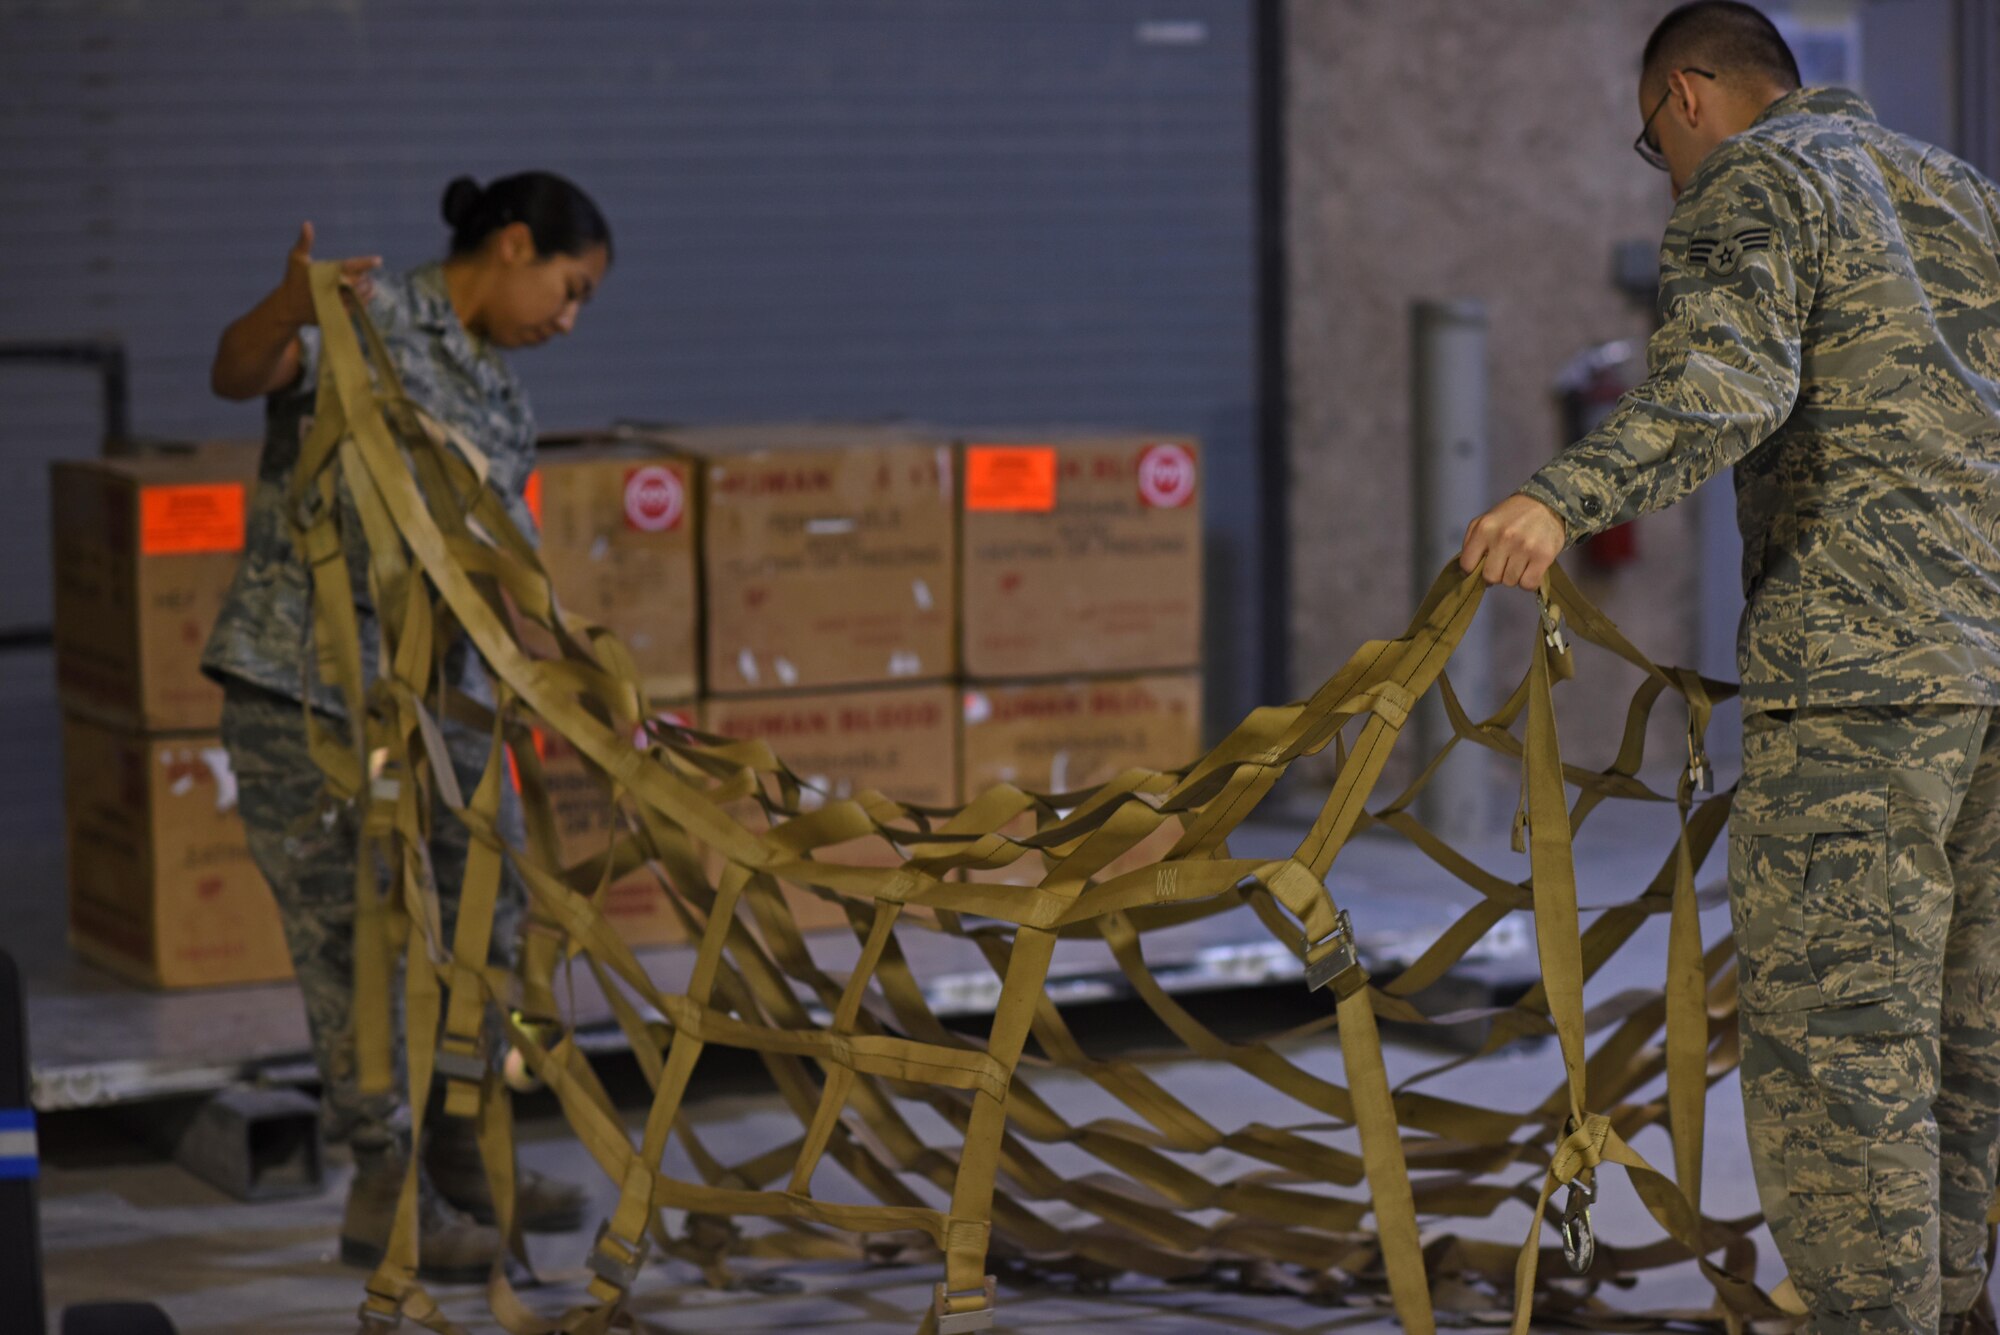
(1518, 539)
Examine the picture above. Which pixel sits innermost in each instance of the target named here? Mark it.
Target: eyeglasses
(1644, 146)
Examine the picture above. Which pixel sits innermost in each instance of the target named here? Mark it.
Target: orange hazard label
(1010, 477)
(533, 496)
(182, 520)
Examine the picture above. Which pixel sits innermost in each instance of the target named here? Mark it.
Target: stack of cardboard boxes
(918, 613)
(620, 533)
(830, 574)
(161, 886)
(1082, 613)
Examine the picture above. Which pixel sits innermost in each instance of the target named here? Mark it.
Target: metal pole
(106, 355)
(1274, 549)
(1453, 487)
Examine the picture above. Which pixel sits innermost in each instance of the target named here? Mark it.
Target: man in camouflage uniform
(1830, 302)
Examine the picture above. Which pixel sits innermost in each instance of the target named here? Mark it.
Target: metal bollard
(1452, 483)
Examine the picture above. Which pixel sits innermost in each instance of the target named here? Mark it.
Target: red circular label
(654, 498)
(1166, 476)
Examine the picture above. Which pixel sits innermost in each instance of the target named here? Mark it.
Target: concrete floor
(119, 1224)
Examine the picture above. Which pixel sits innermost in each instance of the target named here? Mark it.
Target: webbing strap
(444, 560)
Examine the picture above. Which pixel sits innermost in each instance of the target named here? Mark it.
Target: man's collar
(1819, 102)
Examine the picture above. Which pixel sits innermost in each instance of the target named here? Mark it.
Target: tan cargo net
(444, 559)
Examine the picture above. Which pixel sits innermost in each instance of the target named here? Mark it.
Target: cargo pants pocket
(1810, 899)
(1858, 1226)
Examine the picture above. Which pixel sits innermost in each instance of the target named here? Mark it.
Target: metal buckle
(375, 1319)
(1579, 1241)
(464, 1064)
(1552, 631)
(1340, 965)
(620, 1274)
(960, 1323)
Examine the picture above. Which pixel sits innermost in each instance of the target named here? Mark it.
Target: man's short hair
(1724, 38)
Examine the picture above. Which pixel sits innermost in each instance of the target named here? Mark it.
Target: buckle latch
(455, 1062)
(962, 1323)
(1335, 959)
(620, 1267)
(374, 1319)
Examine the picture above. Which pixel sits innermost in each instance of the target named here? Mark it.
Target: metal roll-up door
(991, 211)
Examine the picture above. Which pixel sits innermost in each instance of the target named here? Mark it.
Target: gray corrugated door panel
(976, 210)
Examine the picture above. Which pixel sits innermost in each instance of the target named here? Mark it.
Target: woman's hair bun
(461, 199)
(560, 217)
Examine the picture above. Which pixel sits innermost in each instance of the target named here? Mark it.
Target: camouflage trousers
(305, 843)
(1864, 866)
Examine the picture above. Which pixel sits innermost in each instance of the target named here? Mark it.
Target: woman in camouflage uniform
(526, 253)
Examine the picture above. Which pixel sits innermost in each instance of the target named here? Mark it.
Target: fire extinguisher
(1590, 385)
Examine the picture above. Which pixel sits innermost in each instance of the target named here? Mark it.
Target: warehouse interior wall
(1440, 150)
(1443, 150)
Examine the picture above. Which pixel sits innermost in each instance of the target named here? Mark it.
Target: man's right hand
(294, 295)
(1517, 541)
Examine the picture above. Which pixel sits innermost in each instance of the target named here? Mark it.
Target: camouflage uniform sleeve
(1739, 267)
(302, 394)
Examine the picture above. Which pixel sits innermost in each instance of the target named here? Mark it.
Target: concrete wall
(1440, 148)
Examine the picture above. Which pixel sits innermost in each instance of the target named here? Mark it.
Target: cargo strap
(381, 489)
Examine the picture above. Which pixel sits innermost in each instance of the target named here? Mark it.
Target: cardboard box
(1060, 737)
(587, 822)
(829, 556)
(901, 741)
(161, 886)
(1080, 555)
(144, 552)
(620, 532)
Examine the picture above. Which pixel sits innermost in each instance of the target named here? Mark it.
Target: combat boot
(451, 1248)
(541, 1204)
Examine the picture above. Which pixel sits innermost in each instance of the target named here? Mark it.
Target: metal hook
(1552, 631)
(1700, 776)
(1579, 1240)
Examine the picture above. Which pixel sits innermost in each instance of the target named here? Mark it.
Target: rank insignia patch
(1723, 256)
